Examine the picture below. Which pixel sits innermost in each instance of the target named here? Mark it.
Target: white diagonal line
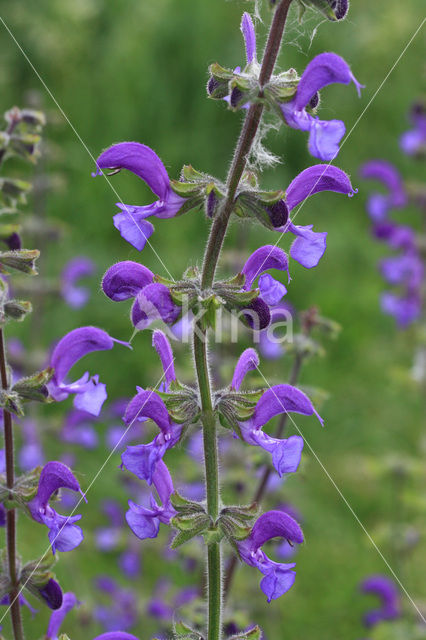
(82, 142)
(356, 123)
(346, 501)
(88, 488)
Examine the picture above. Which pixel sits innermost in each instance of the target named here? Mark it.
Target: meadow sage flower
(77, 268)
(387, 591)
(379, 204)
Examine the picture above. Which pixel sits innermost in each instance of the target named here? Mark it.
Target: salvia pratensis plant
(251, 294)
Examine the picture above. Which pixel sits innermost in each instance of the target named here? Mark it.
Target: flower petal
(275, 524)
(143, 525)
(309, 246)
(277, 582)
(281, 398)
(164, 350)
(271, 290)
(133, 228)
(69, 601)
(147, 404)
(152, 303)
(140, 160)
(389, 176)
(248, 361)
(320, 177)
(249, 34)
(125, 279)
(264, 258)
(324, 69)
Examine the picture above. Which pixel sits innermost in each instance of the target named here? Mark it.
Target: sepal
(253, 634)
(236, 522)
(189, 527)
(185, 507)
(181, 631)
(21, 260)
(36, 575)
(332, 9)
(34, 387)
(13, 191)
(24, 490)
(16, 310)
(250, 204)
(182, 404)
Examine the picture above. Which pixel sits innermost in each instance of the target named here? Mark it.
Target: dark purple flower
(405, 309)
(281, 398)
(51, 593)
(309, 246)
(379, 204)
(90, 394)
(143, 162)
(64, 535)
(76, 268)
(145, 521)
(69, 601)
(142, 459)
(324, 135)
(388, 593)
(125, 279)
(278, 577)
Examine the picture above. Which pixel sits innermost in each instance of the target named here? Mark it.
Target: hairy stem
(211, 257)
(11, 519)
(263, 482)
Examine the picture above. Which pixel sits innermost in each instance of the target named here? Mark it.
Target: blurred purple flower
(379, 204)
(387, 591)
(121, 611)
(413, 142)
(31, 453)
(75, 269)
(405, 309)
(78, 429)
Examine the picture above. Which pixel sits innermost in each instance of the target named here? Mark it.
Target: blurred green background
(136, 70)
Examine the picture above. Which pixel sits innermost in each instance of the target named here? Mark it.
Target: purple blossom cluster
(404, 269)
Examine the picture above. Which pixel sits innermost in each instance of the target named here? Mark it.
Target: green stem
(11, 519)
(211, 257)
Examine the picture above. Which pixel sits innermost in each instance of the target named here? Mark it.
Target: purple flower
(247, 29)
(76, 268)
(69, 601)
(145, 521)
(152, 300)
(413, 142)
(162, 346)
(309, 246)
(324, 135)
(405, 269)
(281, 398)
(31, 453)
(379, 204)
(107, 538)
(90, 394)
(142, 161)
(270, 340)
(405, 309)
(78, 429)
(130, 563)
(387, 592)
(271, 290)
(397, 236)
(64, 535)
(142, 459)
(121, 612)
(278, 577)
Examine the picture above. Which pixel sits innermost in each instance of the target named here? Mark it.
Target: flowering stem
(11, 519)
(263, 482)
(211, 257)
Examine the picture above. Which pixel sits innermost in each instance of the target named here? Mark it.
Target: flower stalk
(11, 519)
(211, 257)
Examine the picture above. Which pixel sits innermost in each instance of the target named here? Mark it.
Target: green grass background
(136, 70)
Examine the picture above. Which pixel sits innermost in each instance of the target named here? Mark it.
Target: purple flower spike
(249, 34)
(324, 136)
(64, 535)
(278, 577)
(56, 619)
(387, 591)
(379, 204)
(247, 361)
(143, 459)
(281, 398)
(79, 267)
(406, 309)
(144, 521)
(143, 162)
(125, 280)
(90, 393)
(309, 246)
(162, 346)
(154, 302)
